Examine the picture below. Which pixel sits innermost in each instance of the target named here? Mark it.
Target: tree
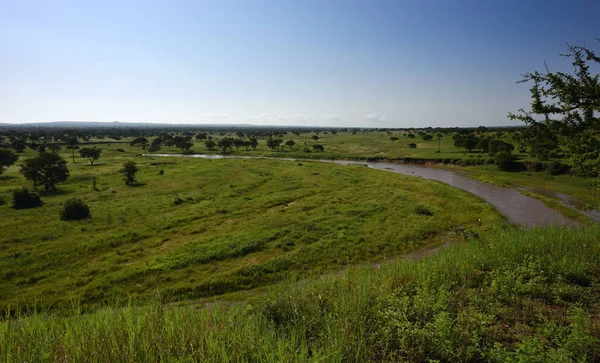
(290, 143)
(129, 170)
(315, 137)
(225, 144)
(273, 143)
(19, 145)
(141, 141)
(468, 141)
(71, 142)
(74, 209)
(210, 145)
(53, 147)
(155, 145)
(394, 138)
(237, 143)
(568, 104)
(46, 169)
(253, 143)
(439, 139)
(7, 158)
(427, 137)
(91, 153)
(318, 147)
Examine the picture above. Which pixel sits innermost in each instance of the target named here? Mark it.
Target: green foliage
(23, 198)
(412, 145)
(45, 169)
(74, 209)
(91, 153)
(7, 158)
(504, 161)
(129, 171)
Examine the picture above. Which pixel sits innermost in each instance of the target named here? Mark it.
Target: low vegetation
(512, 296)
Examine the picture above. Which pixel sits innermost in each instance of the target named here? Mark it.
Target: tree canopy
(46, 169)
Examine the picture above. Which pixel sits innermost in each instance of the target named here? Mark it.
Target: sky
(370, 63)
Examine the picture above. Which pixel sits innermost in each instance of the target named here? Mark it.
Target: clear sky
(303, 62)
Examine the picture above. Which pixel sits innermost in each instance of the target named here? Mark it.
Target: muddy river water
(516, 207)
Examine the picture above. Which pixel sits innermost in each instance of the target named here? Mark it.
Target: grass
(209, 227)
(511, 296)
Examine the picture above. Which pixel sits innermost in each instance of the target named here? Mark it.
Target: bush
(2, 201)
(74, 209)
(504, 161)
(22, 199)
(556, 168)
(412, 145)
(307, 150)
(120, 150)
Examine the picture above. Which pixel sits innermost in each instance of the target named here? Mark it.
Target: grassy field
(208, 227)
(513, 296)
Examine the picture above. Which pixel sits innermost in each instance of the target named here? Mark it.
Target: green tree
(439, 140)
(46, 170)
(253, 143)
(7, 158)
(225, 144)
(210, 144)
(273, 144)
(129, 171)
(91, 153)
(71, 142)
(568, 105)
(290, 143)
(19, 145)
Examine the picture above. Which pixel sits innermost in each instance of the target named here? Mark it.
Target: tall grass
(516, 296)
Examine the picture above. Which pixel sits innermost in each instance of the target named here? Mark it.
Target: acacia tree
(91, 153)
(7, 158)
(46, 169)
(568, 105)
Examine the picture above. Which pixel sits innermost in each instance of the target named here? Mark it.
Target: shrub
(307, 150)
(504, 161)
(423, 211)
(556, 168)
(412, 145)
(2, 201)
(74, 209)
(22, 199)
(120, 150)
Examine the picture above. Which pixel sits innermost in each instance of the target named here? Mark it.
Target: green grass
(512, 296)
(580, 188)
(209, 227)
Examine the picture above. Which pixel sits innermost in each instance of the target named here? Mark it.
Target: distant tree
(290, 143)
(53, 147)
(411, 136)
(467, 141)
(225, 144)
(238, 143)
(201, 136)
(412, 145)
(210, 145)
(427, 137)
(140, 141)
(91, 153)
(315, 137)
(247, 144)
(184, 143)
(254, 143)
(394, 138)
(45, 169)
(439, 139)
(129, 171)
(7, 158)
(273, 143)
(71, 142)
(155, 145)
(318, 147)
(19, 145)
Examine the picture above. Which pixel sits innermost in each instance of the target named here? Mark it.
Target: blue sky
(302, 62)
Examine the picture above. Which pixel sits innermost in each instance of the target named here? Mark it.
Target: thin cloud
(377, 117)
